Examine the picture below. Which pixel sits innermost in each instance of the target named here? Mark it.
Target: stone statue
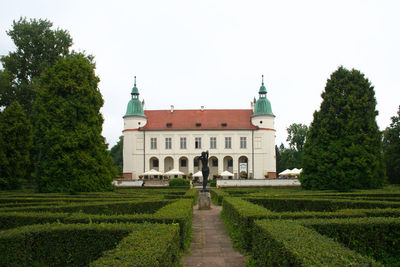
(205, 170)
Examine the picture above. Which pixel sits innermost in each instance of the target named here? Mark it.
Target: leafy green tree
(116, 154)
(278, 159)
(288, 159)
(38, 47)
(297, 134)
(343, 150)
(72, 154)
(15, 143)
(391, 147)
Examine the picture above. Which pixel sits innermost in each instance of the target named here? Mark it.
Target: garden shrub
(378, 238)
(158, 245)
(78, 245)
(239, 215)
(179, 182)
(318, 204)
(193, 194)
(104, 207)
(180, 212)
(213, 183)
(14, 219)
(58, 245)
(286, 243)
(217, 196)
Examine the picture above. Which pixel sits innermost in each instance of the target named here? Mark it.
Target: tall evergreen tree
(72, 154)
(38, 47)
(15, 143)
(343, 150)
(391, 147)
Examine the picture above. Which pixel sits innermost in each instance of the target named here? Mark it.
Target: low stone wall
(266, 182)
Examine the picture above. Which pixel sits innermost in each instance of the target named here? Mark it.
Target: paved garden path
(211, 246)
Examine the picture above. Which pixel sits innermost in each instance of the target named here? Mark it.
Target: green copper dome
(263, 106)
(135, 107)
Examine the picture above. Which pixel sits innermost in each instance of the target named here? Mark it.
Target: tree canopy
(343, 150)
(289, 158)
(15, 144)
(391, 147)
(116, 154)
(297, 134)
(72, 155)
(37, 48)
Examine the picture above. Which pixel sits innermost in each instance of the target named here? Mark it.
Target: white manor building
(241, 141)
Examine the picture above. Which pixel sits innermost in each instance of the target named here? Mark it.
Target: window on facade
(230, 163)
(228, 142)
(197, 142)
(243, 142)
(183, 142)
(215, 162)
(155, 163)
(196, 162)
(213, 142)
(168, 143)
(153, 143)
(183, 162)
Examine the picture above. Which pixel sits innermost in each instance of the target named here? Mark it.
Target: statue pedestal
(204, 201)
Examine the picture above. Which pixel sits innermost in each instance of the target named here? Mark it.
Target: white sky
(213, 52)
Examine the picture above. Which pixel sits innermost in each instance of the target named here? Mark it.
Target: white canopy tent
(152, 172)
(296, 171)
(198, 174)
(226, 174)
(174, 172)
(285, 172)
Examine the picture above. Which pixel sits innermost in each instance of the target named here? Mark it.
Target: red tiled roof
(235, 119)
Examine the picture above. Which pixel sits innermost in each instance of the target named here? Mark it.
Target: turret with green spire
(135, 107)
(263, 106)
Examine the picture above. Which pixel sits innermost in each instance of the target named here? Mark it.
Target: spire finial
(135, 81)
(262, 77)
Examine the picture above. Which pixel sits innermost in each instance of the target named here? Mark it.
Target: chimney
(252, 105)
(143, 104)
(202, 108)
(172, 108)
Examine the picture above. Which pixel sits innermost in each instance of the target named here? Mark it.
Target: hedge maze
(128, 227)
(285, 227)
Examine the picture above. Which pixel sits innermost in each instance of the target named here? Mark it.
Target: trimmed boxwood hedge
(378, 238)
(217, 195)
(192, 194)
(104, 207)
(286, 243)
(180, 212)
(78, 245)
(179, 182)
(318, 204)
(155, 246)
(240, 214)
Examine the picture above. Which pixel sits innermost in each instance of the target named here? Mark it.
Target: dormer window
(224, 124)
(198, 124)
(169, 124)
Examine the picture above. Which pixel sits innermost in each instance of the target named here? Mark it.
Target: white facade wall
(137, 150)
